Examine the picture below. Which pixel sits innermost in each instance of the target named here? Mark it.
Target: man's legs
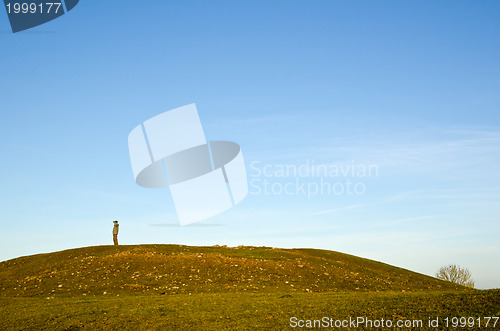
(115, 239)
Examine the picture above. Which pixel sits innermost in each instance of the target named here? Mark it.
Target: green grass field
(212, 288)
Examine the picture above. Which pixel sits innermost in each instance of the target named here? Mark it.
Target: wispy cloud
(480, 193)
(405, 220)
(334, 210)
(439, 153)
(175, 225)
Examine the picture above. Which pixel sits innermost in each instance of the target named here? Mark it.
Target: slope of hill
(175, 269)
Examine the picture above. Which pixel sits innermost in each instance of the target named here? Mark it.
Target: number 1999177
(33, 8)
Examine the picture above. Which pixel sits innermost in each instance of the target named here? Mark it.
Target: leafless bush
(456, 274)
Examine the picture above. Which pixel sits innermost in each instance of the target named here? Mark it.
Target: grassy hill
(213, 288)
(173, 269)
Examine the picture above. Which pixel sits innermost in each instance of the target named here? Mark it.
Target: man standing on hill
(115, 232)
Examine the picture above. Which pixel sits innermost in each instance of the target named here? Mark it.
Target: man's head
(115, 221)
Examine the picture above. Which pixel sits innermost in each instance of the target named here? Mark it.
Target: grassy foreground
(241, 311)
(171, 287)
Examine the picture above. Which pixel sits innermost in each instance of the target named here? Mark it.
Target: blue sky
(412, 88)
